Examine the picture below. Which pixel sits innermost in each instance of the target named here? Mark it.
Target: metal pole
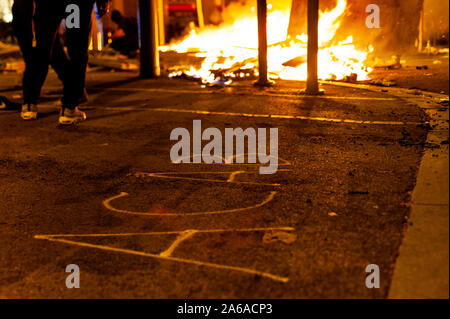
(161, 23)
(149, 39)
(200, 16)
(262, 44)
(420, 44)
(312, 85)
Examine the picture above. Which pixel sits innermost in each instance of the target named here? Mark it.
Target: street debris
(274, 236)
(332, 214)
(383, 82)
(358, 193)
(394, 64)
(444, 102)
(111, 60)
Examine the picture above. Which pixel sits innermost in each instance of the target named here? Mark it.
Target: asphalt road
(339, 201)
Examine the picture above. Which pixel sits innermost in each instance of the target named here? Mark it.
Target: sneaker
(69, 117)
(6, 105)
(29, 112)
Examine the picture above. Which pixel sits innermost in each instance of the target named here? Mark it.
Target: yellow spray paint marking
(182, 235)
(230, 160)
(173, 175)
(167, 254)
(181, 238)
(107, 204)
(233, 175)
(173, 232)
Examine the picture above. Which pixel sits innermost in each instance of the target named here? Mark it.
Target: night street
(224, 158)
(105, 196)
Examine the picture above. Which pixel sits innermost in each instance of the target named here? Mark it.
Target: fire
(231, 49)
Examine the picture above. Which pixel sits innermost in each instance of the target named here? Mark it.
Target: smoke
(436, 21)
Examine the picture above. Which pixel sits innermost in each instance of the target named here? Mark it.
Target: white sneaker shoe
(2, 104)
(70, 117)
(29, 112)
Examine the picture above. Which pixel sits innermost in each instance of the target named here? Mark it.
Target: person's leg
(77, 47)
(46, 20)
(23, 29)
(23, 25)
(60, 62)
(59, 59)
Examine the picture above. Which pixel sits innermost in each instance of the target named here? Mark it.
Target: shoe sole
(70, 121)
(29, 116)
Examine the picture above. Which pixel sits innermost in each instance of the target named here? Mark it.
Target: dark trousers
(23, 11)
(47, 18)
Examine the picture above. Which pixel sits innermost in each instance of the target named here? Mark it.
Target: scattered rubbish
(352, 78)
(274, 236)
(431, 145)
(358, 193)
(113, 62)
(415, 91)
(384, 83)
(443, 102)
(394, 64)
(295, 62)
(221, 82)
(332, 214)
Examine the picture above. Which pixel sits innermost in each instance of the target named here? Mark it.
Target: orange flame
(236, 43)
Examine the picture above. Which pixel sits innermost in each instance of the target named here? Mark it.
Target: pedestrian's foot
(2, 103)
(69, 117)
(6, 105)
(29, 112)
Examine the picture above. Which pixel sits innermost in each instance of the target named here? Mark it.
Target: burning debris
(230, 50)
